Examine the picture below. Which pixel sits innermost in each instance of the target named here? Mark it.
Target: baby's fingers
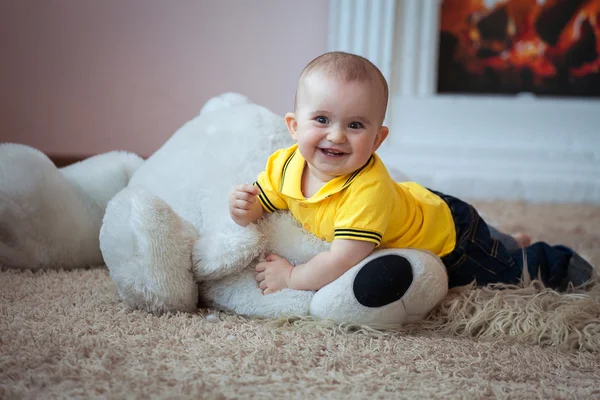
(259, 277)
(250, 189)
(242, 195)
(243, 204)
(239, 213)
(260, 267)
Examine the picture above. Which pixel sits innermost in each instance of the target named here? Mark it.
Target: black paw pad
(382, 281)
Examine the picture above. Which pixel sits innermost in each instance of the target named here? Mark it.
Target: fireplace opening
(545, 47)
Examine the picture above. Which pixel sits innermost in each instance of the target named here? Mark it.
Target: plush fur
(162, 225)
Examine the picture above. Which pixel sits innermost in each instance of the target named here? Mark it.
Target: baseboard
(63, 160)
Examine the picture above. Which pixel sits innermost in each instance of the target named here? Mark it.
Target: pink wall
(87, 76)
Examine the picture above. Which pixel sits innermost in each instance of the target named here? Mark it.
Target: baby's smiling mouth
(332, 152)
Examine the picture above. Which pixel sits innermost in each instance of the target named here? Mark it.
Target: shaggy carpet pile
(64, 334)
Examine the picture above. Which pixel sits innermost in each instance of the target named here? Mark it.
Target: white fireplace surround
(477, 147)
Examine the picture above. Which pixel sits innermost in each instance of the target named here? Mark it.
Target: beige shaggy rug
(65, 334)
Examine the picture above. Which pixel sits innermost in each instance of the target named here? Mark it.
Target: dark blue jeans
(481, 257)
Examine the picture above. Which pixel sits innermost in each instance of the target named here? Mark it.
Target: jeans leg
(507, 240)
(486, 255)
(550, 263)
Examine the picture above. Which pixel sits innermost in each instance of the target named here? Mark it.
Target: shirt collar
(291, 179)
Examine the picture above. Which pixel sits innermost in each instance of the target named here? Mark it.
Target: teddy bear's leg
(50, 218)
(240, 294)
(147, 248)
(224, 248)
(385, 290)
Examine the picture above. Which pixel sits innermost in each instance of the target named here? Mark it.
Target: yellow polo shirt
(365, 205)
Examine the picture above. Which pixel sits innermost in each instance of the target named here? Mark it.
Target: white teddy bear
(163, 229)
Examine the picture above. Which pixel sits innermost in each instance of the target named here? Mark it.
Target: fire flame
(520, 45)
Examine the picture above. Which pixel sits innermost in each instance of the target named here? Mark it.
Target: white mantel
(485, 147)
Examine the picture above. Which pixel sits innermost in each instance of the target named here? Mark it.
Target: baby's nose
(336, 136)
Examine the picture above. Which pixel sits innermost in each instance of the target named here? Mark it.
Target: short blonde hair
(348, 67)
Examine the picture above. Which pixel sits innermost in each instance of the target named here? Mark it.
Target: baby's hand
(243, 204)
(273, 274)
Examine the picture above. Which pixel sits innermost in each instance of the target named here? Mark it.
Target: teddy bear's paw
(226, 250)
(289, 240)
(240, 294)
(384, 291)
(147, 249)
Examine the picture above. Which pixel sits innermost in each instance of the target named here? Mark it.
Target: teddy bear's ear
(224, 100)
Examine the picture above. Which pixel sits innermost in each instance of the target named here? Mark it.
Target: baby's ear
(292, 124)
(382, 133)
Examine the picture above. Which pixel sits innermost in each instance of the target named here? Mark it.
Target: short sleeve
(364, 214)
(268, 182)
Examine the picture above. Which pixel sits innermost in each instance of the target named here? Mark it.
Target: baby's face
(338, 124)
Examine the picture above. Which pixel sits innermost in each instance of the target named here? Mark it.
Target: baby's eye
(355, 125)
(321, 120)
